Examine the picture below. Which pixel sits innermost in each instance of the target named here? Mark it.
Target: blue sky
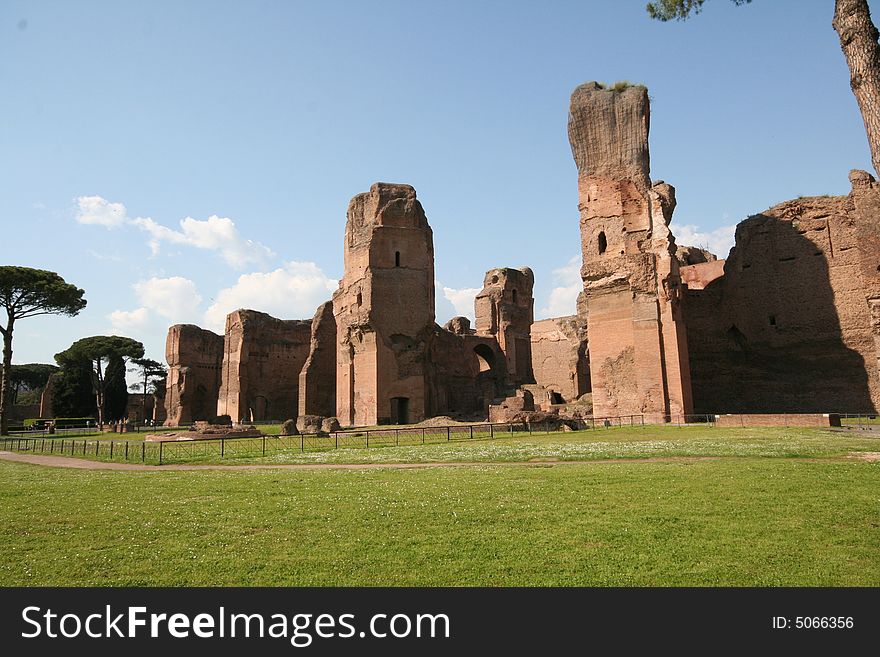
(178, 160)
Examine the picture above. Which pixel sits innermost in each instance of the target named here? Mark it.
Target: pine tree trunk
(6, 385)
(858, 40)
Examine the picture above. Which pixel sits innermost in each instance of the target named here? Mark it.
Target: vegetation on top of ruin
(620, 85)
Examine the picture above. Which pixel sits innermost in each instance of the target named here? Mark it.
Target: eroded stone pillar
(632, 289)
(317, 381)
(194, 357)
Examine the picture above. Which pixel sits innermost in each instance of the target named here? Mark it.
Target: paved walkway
(84, 464)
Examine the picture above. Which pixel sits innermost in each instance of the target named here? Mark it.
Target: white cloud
(175, 298)
(462, 300)
(125, 321)
(293, 291)
(563, 297)
(719, 241)
(213, 234)
(98, 211)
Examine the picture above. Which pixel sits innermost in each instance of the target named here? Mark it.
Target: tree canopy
(153, 376)
(26, 292)
(30, 376)
(73, 395)
(101, 351)
(679, 10)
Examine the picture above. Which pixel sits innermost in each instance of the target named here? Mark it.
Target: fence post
(98, 446)
(111, 450)
(491, 430)
(264, 445)
(336, 440)
(302, 442)
(84, 446)
(161, 444)
(472, 431)
(368, 438)
(126, 450)
(397, 437)
(222, 447)
(144, 452)
(447, 433)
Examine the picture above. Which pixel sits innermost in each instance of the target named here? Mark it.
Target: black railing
(177, 451)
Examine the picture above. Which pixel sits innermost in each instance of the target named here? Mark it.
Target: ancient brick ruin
(195, 358)
(632, 289)
(505, 309)
(384, 308)
(262, 360)
(791, 324)
(788, 323)
(560, 359)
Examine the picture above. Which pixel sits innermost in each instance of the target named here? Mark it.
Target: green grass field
(775, 508)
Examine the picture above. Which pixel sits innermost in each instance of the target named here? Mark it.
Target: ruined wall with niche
(467, 372)
(195, 357)
(560, 357)
(384, 308)
(789, 326)
(504, 309)
(262, 360)
(631, 297)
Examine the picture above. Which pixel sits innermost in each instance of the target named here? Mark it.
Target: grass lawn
(760, 519)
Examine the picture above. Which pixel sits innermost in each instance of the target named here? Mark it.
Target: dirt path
(83, 464)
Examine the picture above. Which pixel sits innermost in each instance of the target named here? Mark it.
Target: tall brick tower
(384, 308)
(632, 289)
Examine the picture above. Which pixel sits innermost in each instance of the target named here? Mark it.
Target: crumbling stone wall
(698, 276)
(504, 309)
(194, 356)
(317, 380)
(384, 308)
(262, 360)
(789, 327)
(466, 372)
(631, 298)
(560, 358)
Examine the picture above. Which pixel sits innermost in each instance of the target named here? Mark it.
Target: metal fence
(867, 420)
(172, 451)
